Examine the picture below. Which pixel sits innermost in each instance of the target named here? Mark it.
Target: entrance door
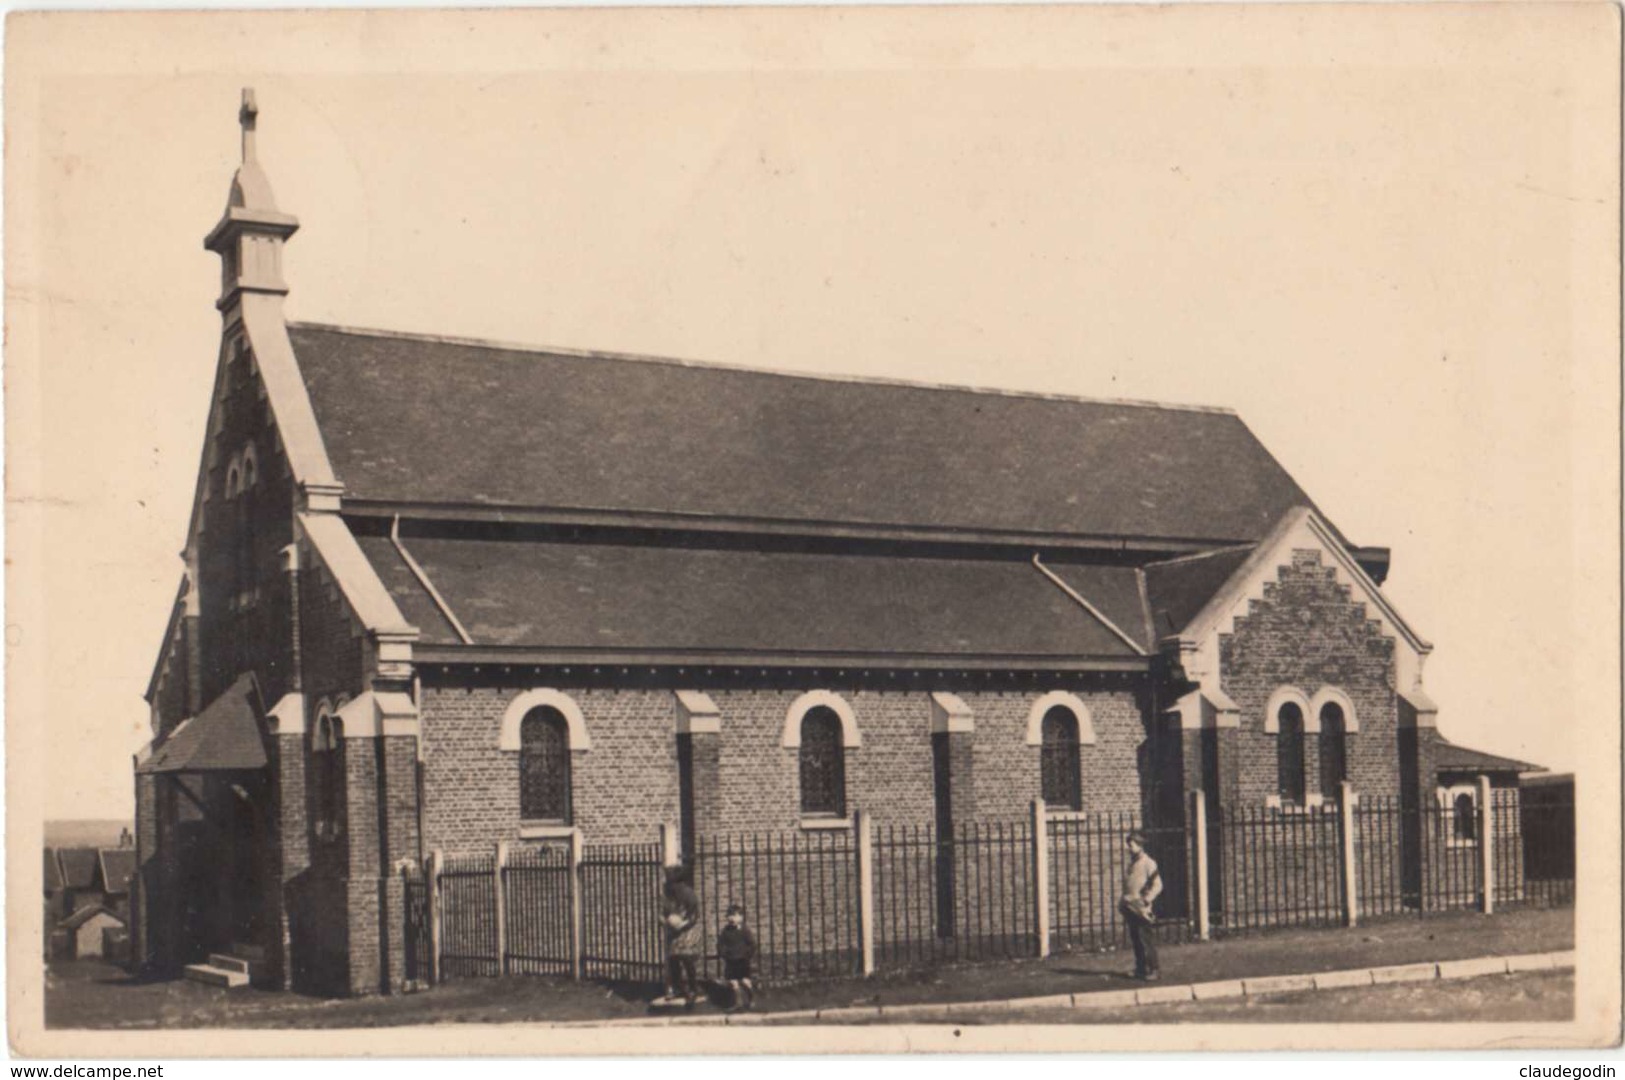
(245, 860)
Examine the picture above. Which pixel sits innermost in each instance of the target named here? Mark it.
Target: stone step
(213, 976)
(229, 963)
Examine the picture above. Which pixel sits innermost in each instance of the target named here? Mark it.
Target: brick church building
(442, 593)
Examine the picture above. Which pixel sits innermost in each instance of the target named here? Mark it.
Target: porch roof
(224, 737)
(1450, 757)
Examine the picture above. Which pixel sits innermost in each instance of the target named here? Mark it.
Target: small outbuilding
(85, 931)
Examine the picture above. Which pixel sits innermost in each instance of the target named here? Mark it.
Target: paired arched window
(1060, 764)
(1333, 748)
(544, 766)
(822, 763)
(1289, 753)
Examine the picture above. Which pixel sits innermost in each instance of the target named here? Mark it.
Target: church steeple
(250, 234)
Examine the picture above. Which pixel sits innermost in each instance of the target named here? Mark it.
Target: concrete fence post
(576, 927)
(671, 852)
(865, 831)
(1040, 833)
(1204, 925)
(1351, 871)
(431, 879)
(502, 907)
(1486, 845)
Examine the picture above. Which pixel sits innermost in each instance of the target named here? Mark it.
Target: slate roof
(580, 596)
(420, 420)
(1178, 589)
(118, 867)
(224, 736)
(1448, 757)
(78, 867)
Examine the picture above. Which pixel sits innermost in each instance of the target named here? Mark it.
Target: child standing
(737, 947)
(680, 916)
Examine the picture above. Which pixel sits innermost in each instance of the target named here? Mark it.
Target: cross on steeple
(246, 116)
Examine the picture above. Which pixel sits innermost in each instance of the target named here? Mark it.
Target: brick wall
(1307, 632)
(239, 548)
(628, 782)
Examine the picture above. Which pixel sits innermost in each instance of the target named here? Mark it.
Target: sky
(1384, 236)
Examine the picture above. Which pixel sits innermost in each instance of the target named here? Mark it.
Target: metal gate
(418, 939)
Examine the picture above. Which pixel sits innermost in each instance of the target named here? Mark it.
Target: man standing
(1142, 884)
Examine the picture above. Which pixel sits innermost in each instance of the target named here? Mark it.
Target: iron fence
(800, 895)
(1388, 876)
(925, 896)
(468, 903)
(1278, 868)
(968, 893)
(537, 883)
(419, 946)
(1086, 864)
(620, 908)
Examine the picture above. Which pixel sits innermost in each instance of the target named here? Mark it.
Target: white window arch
(544, 697)
(1331, 695)
(234, 477)
(1059, 699)
(1282, 696)
(851, 737)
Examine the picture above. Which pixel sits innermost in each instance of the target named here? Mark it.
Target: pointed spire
(250, 234)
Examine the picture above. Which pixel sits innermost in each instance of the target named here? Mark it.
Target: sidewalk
(1406, 940)
(86, 995)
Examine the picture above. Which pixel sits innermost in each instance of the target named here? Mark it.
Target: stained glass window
(823, 764)
(1289, 754)
(544, 766)
(1058, 762)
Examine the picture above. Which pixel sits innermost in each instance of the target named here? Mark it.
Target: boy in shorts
(737, 947)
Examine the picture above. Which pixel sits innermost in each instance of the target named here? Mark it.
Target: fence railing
(853, 899)
(800, 895)
(620, 903)
(1280, 868)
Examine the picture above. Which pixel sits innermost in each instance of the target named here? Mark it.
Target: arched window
(1289, 754)
(327, 773)
(1059, 763)
(233, 480)
(1464, 818)
(250, 467)
(823, 764)
(544, 766)
(1333, 748)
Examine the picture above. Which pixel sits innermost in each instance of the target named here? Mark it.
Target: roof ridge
(1201, 554)
(872, 380)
